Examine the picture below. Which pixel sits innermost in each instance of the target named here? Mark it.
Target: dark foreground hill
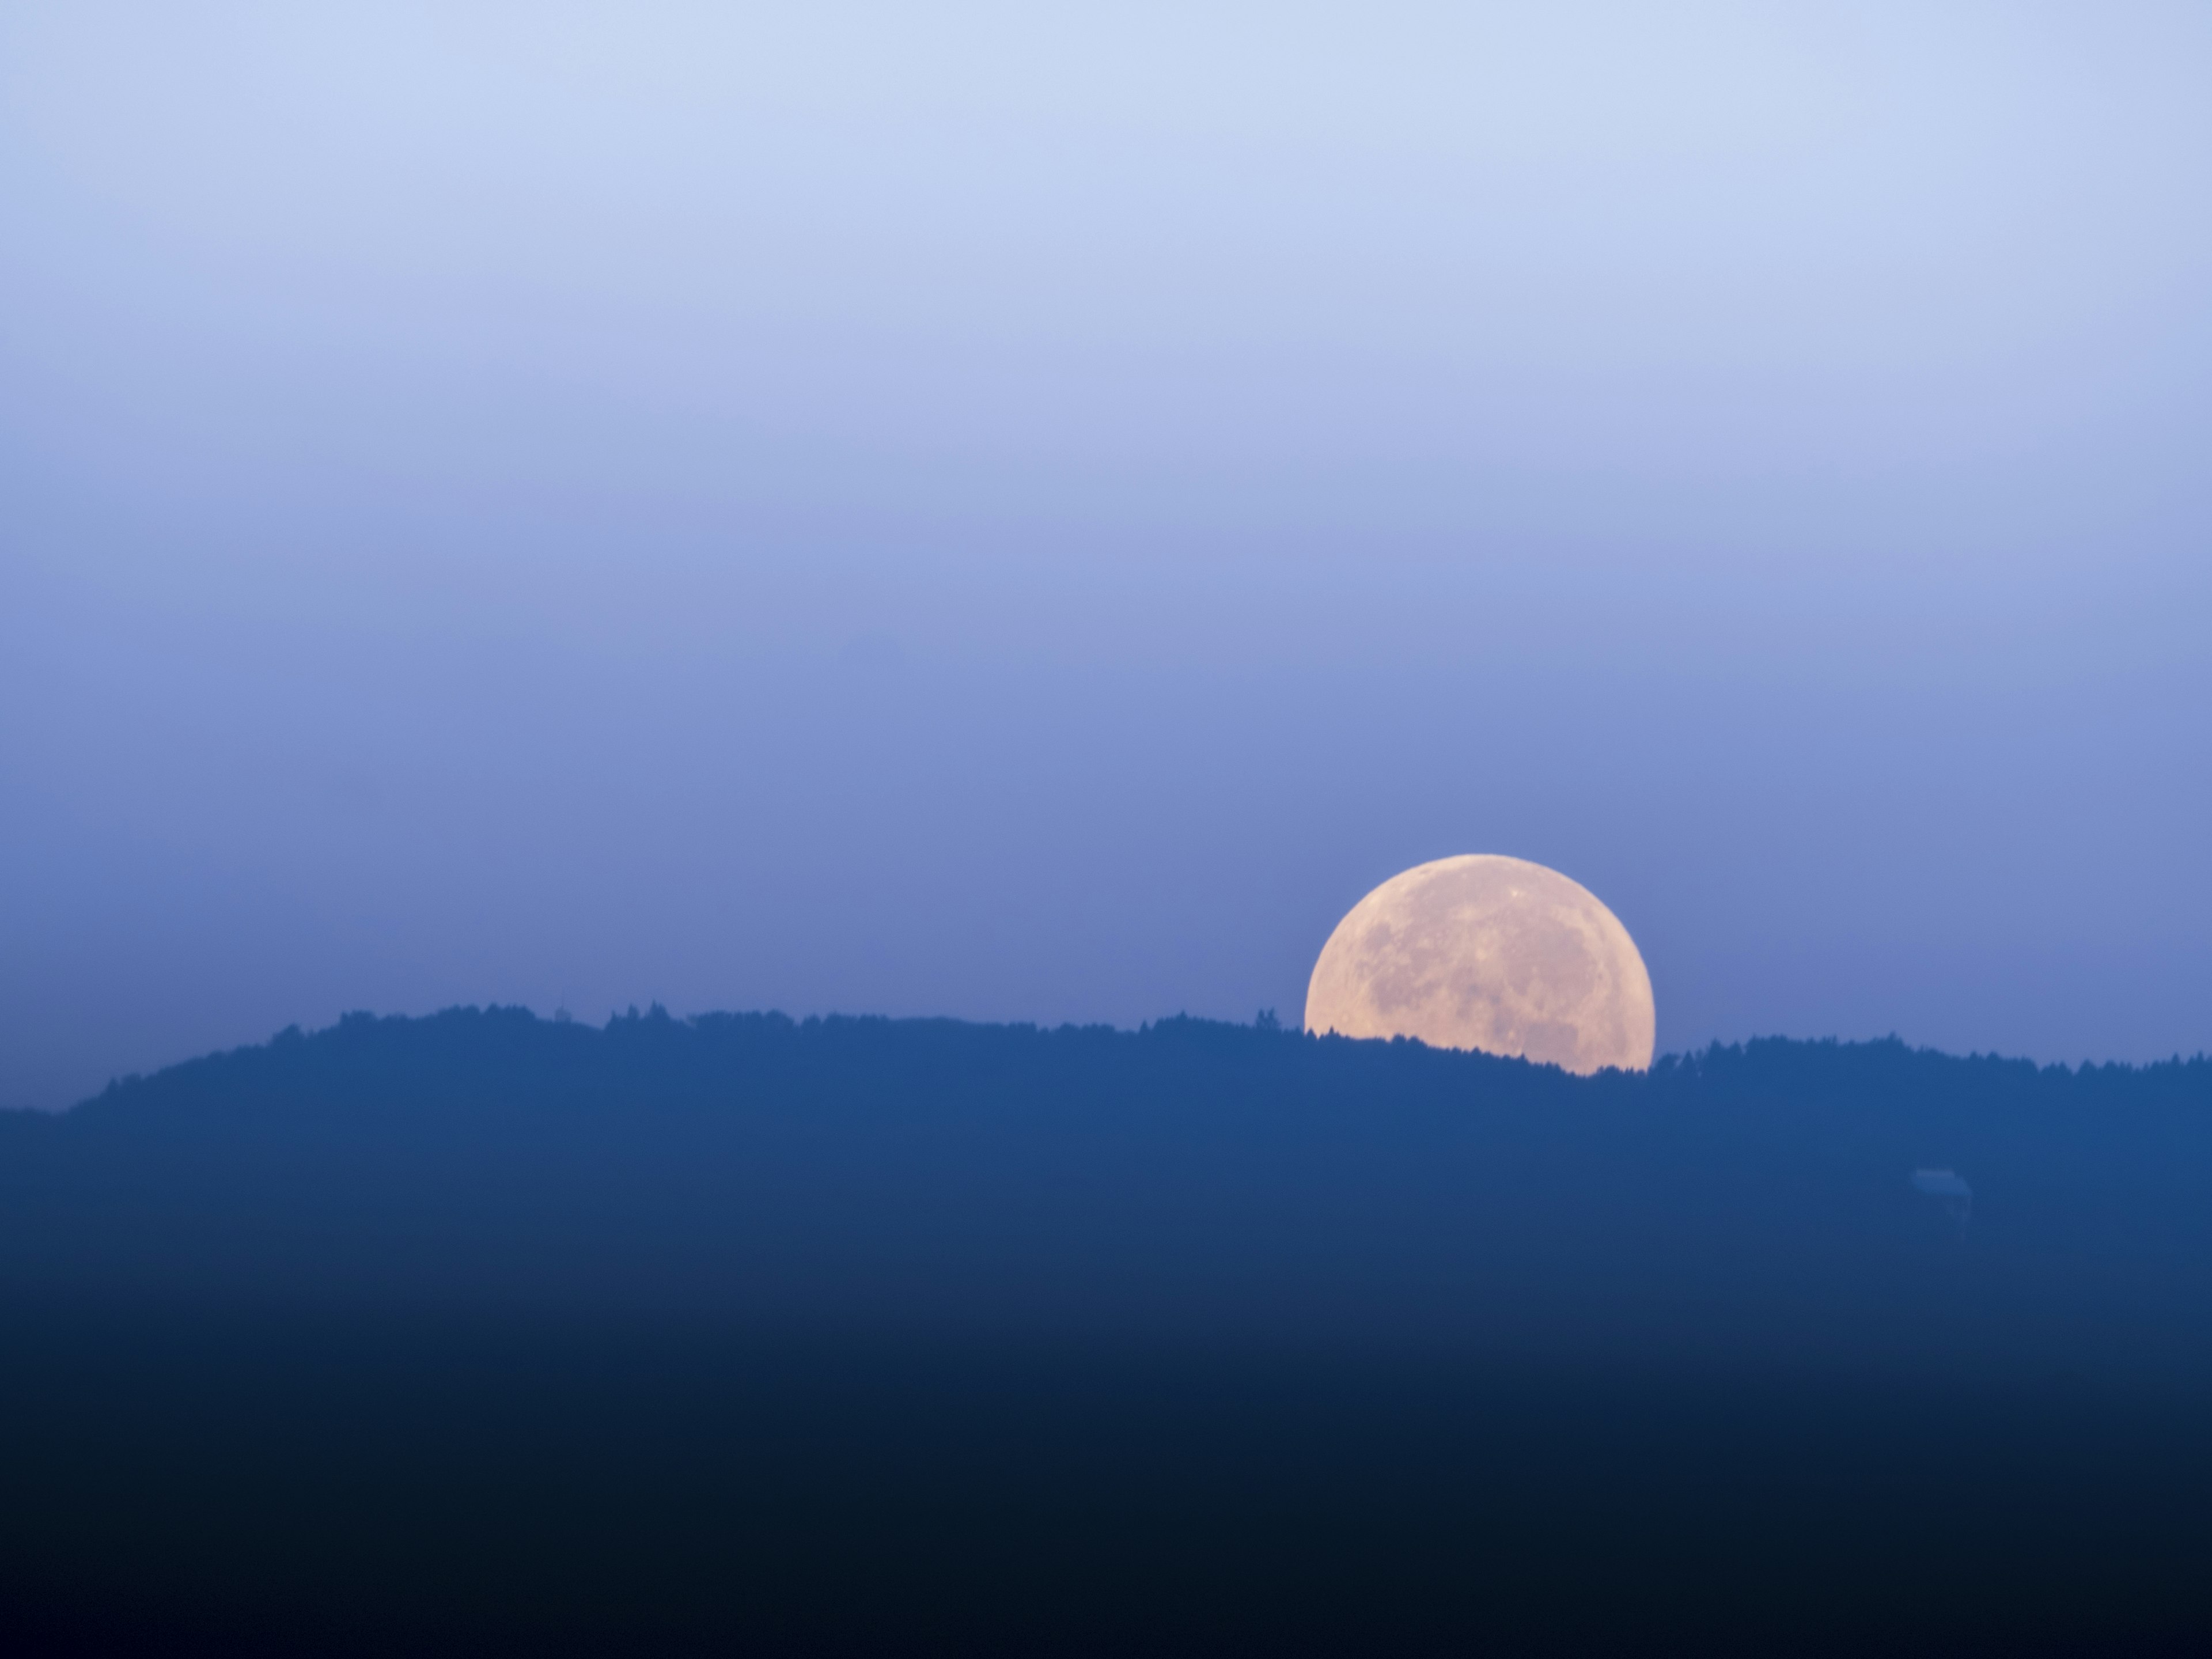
(858, 1335)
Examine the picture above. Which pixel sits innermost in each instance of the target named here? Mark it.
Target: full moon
(1493, 953)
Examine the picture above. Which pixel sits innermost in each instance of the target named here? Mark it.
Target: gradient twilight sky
(1030, 513)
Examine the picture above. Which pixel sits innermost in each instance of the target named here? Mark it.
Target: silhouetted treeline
(864, 1334)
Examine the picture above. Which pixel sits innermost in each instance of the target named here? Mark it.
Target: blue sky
(1030, 514)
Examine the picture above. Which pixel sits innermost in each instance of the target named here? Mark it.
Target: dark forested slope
(1189, 1180)
(868, 1335)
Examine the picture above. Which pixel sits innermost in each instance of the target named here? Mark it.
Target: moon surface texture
(1493, 953)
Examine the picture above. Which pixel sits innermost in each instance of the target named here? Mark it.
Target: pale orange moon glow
(1487, 952)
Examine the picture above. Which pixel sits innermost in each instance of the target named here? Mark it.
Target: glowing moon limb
(1487, 952)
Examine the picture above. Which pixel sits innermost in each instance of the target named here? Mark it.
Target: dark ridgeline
(870, 1335)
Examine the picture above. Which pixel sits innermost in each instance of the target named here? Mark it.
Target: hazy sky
(1029, 513)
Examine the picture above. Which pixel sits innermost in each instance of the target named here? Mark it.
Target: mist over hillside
(850, 1335)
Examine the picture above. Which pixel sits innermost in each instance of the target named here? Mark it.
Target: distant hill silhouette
(864, 1334)
(1191, 1180)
